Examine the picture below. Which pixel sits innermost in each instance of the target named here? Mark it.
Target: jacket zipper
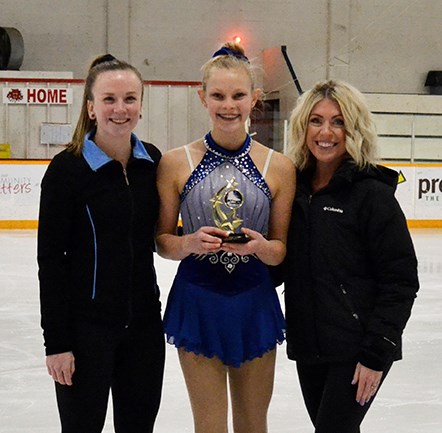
(129, 306)
(125, 176)
(318, 345)
(347, 301)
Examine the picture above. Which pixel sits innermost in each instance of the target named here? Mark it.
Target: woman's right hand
(205, 240)
(61, 367)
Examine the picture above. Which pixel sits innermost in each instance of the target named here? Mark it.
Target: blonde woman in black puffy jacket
(351, 269)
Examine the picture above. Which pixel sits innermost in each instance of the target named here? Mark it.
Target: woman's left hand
(254, 244)
(368, 383)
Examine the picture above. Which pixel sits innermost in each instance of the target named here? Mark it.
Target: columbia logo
(332, 209)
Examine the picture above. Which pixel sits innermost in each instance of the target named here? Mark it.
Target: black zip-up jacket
(351, 269)
(95, 244)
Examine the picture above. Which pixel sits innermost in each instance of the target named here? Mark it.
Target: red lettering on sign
(41, 96)
(63, 96)
(31, 95)
(52, 95)
(47, 96)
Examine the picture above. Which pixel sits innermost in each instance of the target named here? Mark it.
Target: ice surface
(409, 402)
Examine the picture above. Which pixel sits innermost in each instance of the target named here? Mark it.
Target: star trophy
(225, 204)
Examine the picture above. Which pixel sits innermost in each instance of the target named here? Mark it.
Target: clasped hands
(211, 240)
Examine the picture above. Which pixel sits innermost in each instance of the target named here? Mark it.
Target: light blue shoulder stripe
(96, 158)
(94, 285)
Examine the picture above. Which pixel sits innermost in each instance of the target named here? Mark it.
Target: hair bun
(103, 59)
(226, 51)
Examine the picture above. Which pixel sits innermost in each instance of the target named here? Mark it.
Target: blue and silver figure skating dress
(223, 304)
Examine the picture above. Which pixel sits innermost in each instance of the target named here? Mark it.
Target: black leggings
(330, 397)
(130, 362)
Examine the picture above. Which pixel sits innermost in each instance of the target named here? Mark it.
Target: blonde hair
(101, 64)
(236, 60)
(360, 130)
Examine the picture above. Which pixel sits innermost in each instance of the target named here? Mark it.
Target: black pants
(330, 397)
(130, 362)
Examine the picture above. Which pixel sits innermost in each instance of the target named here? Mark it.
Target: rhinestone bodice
(220, 170)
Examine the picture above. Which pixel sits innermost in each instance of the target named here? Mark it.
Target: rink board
(419, 193)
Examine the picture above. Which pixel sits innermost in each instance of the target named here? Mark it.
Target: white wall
(409, 126)
(172, 117)
(378, 45)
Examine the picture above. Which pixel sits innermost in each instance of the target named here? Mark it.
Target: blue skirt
(213, 320)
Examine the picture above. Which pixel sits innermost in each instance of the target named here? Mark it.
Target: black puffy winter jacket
(351, 276)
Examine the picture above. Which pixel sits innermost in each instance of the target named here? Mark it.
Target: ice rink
(409, 402)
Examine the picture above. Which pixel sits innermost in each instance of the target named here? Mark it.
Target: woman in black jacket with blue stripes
(100, 308)
(351, 275)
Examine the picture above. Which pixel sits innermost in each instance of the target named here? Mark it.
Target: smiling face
(229, 99)
(326, 134)
(116, 104)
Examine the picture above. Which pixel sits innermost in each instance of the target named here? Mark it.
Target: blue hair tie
(224, 51)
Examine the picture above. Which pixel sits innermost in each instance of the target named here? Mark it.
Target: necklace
(211, 146)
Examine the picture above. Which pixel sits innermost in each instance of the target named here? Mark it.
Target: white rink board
(420, 194)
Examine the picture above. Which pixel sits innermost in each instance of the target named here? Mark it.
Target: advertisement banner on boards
(428, 194)
(20, 190)
(419, 190)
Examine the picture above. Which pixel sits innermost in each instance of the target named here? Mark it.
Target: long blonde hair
(360, 130)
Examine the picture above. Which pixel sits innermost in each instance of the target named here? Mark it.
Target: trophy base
(237, 238)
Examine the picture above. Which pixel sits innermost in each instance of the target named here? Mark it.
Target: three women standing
(352, 268)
